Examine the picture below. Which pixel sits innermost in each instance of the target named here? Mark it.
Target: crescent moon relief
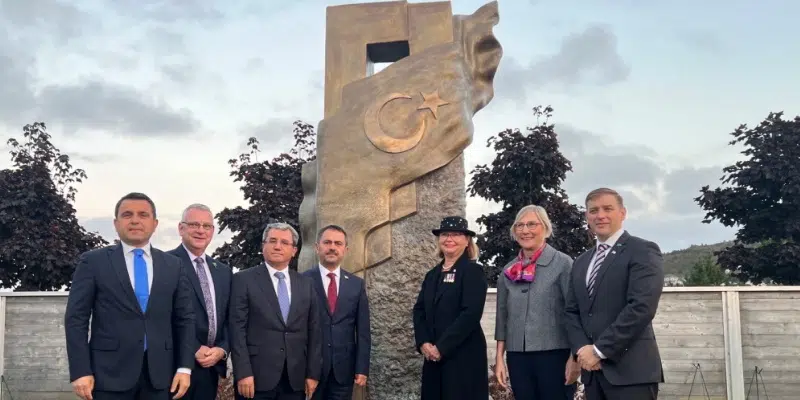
(388, 144)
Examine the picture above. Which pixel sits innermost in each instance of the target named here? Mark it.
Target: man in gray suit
(276, 340)
(614, 294)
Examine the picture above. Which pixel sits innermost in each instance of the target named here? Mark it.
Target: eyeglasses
(445, 235)
(283, 243)
(197, 225)
(530, 225)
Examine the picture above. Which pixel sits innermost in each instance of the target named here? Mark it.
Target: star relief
(432, 101)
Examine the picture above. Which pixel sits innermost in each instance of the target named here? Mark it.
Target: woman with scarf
(531, 293)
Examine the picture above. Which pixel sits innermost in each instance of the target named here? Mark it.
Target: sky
(157, 96)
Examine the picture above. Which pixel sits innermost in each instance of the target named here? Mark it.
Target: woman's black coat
(448, 315)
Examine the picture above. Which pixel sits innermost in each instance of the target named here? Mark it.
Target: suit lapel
(295, 285)
(613, 253)
(269, 290)
(159, 279)
(319, 288)
(118, 263)
(216, 280)
(346, 286)
(192, 273)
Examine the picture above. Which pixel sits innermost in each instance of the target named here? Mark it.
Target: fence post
(732, 327)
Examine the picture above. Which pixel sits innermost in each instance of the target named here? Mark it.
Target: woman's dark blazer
(448, 315)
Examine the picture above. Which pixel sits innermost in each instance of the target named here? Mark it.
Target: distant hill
(679, 262)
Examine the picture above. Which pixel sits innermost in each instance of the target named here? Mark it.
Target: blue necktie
(283, 295)
(141, 288)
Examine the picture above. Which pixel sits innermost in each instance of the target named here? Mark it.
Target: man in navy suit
(138, 300)
(211, 284)
(344, 319)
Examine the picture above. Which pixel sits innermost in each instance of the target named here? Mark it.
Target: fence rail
(722, 341)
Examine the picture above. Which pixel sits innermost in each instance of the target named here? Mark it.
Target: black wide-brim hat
(453, 224)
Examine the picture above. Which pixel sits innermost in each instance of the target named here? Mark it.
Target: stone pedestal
(393, 286)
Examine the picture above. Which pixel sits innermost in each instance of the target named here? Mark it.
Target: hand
(83, 387)
(211, 356)
(501, 374)
(361, 380)
(426, 351)
(246, 387)
(180, 384)
(311, 386)
(571, 371)
(588, 360)
(201, 353)
(435, 356)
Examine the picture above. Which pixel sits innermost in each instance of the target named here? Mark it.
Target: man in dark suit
(276, 339)
(211, 284)
(344, 316)
(614, 294)
(138, 300)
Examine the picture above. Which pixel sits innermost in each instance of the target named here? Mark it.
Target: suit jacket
(102, 289)
(262, 344)
(530, 316)
(221, 279)
(346, 335)
(448, 315)
(617, 319)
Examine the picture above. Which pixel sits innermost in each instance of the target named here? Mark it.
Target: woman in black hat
(447, 319)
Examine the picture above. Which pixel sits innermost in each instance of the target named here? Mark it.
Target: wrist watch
(224, 354)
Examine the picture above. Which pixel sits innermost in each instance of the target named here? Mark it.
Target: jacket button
(590, 314)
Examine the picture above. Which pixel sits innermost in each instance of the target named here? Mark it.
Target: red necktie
(332, 292)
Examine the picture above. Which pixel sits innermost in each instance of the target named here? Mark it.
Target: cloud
(102, 105)
(589, 57)
(65, 21)
(704, 41)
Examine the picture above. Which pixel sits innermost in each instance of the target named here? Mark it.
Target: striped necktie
(601, 255)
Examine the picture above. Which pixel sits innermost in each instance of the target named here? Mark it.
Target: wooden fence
(714, 337)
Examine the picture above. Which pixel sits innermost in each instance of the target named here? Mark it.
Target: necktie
(601, 255)
(283, 295)
(332, 292)
(140, 285)
(206, 287)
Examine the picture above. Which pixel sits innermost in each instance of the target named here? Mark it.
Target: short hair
(540, 212)
(331, 227)
(603, 191)
(135, 196)
(196, 206)
(281, 227)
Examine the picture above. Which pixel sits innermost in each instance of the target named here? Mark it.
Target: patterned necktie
(283, 295)
(141, 287)
(601, 255)
(209, 302)
(332, 295)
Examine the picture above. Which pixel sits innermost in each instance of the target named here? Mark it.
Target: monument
(390, 155)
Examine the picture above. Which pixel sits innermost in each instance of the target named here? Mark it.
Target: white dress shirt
(326, 280)
(274, 278)
(207, 271)
(127, 251)
(611, 241)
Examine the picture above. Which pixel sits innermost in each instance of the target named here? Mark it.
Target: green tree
(274, 192)
(761, 195)
(706, 272)
(528, 168)
(40, 237)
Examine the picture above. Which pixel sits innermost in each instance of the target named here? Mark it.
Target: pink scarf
(524, 270)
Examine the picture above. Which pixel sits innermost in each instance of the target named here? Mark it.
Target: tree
(40, 237)
(706, 272)
(762, 197)
(274, 192)
(528, 169)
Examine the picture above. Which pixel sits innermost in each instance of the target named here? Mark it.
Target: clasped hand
(587, 359)
(430, 352)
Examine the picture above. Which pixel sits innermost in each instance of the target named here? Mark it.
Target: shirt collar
(272, 271)
(324, 271)
(191, 255)
(126, 248)
(612, 240)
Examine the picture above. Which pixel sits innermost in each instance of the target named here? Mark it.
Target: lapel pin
(613, 252)
(346, 277)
